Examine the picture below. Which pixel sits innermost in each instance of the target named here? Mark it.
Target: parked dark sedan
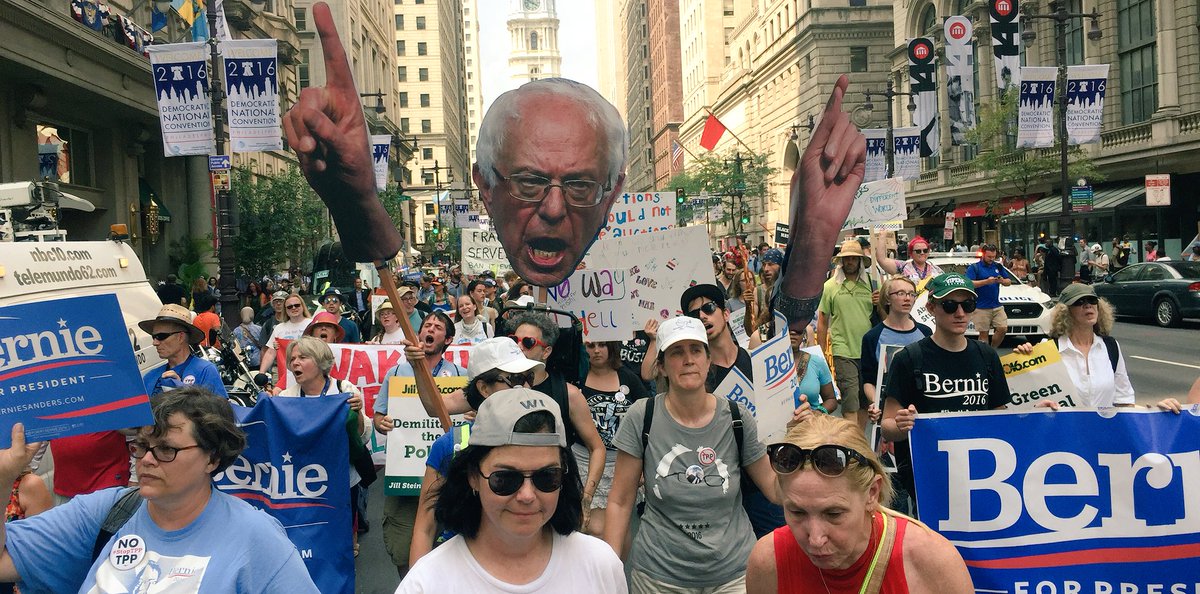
(1166, 291)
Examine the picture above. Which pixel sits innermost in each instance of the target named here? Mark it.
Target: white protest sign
(738, 388)
(481, 250)
(408, 444)
(737, 323)
(599, 298)
(642, 212)
(774, 384)
(1038, 376)
(664, 264)
(879, 205)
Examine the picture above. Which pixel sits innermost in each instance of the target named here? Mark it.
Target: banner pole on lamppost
(222, 194)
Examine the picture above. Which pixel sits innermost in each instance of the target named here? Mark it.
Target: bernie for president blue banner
(296, 467)
(65, 372)
(1070, 502)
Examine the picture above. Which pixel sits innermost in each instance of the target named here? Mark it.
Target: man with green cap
(941, 373)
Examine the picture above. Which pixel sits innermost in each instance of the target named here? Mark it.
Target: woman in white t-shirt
(513, 498)
(389, 324)
(297, 320)
(470, 327)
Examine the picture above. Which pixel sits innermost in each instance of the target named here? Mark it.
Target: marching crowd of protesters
(600, 454)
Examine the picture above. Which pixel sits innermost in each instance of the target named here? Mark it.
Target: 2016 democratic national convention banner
(1070, 502)
(296, 467)
(63, 373)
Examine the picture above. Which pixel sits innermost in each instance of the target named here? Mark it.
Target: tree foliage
(1015, 171)
(281, 220)
(720, 176)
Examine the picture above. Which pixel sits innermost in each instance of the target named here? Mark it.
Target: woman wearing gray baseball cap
(514, 498)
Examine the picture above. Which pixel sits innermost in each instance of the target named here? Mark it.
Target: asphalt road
(373, 568)
(1162, 362)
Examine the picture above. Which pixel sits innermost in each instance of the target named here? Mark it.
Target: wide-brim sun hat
(852, 249)
(178, 315)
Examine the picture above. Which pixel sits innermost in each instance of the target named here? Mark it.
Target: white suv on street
(1028, 308)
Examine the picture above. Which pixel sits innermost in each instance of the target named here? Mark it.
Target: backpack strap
(121, 511)
(737, 427)
(883, 555)
(647, 421)
(1114, 351)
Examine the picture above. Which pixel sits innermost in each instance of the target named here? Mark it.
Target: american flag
(676, 155)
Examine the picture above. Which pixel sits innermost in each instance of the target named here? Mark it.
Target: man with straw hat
(173, 334)
(843, 317)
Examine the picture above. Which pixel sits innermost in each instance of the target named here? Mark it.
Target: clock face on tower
(531, 5)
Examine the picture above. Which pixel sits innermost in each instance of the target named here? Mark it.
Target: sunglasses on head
(829, 460)
(1086, 301)
(507, 482)
(527, 342)
(950, 306)
(708, 309)
(161, 336)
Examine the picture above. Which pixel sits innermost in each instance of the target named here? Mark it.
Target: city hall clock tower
(533, 41)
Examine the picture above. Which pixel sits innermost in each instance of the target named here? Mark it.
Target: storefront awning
(147, 195)
(1004, 206)
(1104, 198)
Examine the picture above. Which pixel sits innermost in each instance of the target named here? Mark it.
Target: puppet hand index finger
(337, 68)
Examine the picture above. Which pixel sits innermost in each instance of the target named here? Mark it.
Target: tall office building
(639, 171)
(533, 38)
(666, 88)
(431, 91)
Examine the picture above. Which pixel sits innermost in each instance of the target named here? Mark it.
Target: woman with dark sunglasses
(513, 497)
(297, 321)
(692, 454)
(918, 268)
(840, 536)
(495, 364)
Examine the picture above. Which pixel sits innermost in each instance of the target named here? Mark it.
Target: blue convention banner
(1077, 501)
(296, 467)
(67, 368)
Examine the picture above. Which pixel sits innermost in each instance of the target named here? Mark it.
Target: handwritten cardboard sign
(481, 250)
(879, 204)
(661, 266)
(600, 299)
(642, 212)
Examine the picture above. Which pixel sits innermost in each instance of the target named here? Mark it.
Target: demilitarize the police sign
(1067, 502)
(67, 368)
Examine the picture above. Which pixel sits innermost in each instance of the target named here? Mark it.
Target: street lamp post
(1060, 16)
(226, 259)
(889, 148)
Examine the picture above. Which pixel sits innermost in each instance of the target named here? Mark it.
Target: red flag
(713, 129)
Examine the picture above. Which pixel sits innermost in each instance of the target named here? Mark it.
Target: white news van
(42, 271)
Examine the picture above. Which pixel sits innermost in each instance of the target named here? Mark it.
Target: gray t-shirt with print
(694, 531)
